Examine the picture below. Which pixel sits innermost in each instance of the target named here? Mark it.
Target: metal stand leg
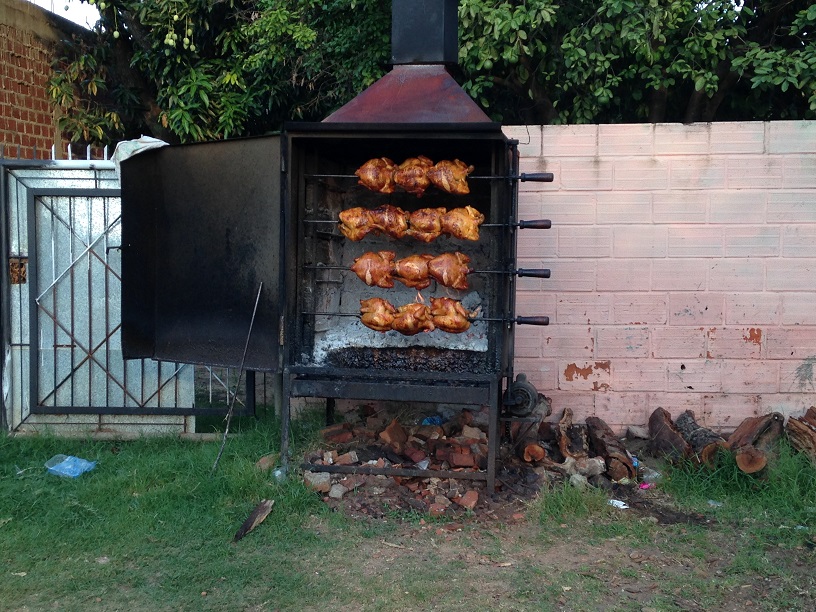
(285, 416)
(492, 437)
(330, 403)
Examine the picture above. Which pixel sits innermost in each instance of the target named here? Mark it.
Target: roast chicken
(462, 223)
(377, 314)
(412, 271)
(379, 269)
(449, 315)
(411, 175)
(413, 318)
(377, 175)
(375, 269)
(356, 223)
(450, 176)
(450, 270)
(425, 224)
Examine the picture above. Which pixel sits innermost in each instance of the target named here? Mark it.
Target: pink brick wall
(683, 263)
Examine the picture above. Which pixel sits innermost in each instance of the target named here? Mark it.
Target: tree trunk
(664, 438)
(703, 441)
(657, 105)
(605, 444)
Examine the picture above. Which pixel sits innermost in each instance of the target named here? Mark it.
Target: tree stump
(754, 439)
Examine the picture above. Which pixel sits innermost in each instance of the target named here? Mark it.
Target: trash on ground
(618, 504)
(649, 475)
(68, 466)
(715, 504)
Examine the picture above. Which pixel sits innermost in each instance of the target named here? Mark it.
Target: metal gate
(63, 363)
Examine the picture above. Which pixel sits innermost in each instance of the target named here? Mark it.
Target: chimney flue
(424, 32)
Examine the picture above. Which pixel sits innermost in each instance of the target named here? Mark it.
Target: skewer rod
(517, 320)
(537, 177)
(533, 224)
(538, 273)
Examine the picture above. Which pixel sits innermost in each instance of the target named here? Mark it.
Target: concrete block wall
(683, 263)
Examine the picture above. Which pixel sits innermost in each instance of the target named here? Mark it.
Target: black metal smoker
(206, 225)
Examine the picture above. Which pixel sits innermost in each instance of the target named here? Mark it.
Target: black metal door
(201, 233)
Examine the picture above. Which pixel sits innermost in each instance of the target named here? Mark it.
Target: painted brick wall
(28, 126)
(683, 263)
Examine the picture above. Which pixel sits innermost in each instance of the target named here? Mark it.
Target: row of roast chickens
(414, 175)
(380, 269)
(444, 313)
(425, 224)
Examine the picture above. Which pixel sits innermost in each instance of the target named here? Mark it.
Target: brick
(639, 309)
(584, 375)
(799, 240)
(588, 174)
(790, 274)
(755, 172)
(576, 140)
(698, 173)
(744, 137)
(529, 138)
(790, 343)
(694, 375)
(535, 303)
(738, 207)
(582, 404)
(638, 375)
(579, 275)
(584, 242)
(758, 241)
(583, 308)
(538, 244)
(799, 309)
(570, 341)
(619, 207)
(697, 309)
(729, 410)
(737, 275)
(740, 376)
(529, 343)
(753, 309)
(627, 342)
(543, 374)
(624, 275)
(639, 241)
(680, 206)
(621, 139)
(639, 174)
(676, 403)
(798, 376)
(791, 137)
(570, 207)
(540, 164)
(734, 342)
(680, 274)
(680, 342)
(789, 404)
(619, 410)
(791, 206)
(678, 139)
(695, 242)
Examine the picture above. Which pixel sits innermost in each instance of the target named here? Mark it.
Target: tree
(189, 70)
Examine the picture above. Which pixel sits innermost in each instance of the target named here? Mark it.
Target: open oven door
(201, 235)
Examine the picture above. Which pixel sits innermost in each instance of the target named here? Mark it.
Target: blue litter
(433, 420)
(68, 466)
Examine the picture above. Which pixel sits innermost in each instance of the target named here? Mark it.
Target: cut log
(525, 440)
(754, 439)
(604, 443)
(802, 433)
(664, 438)
(750, 459)
(572, 439)
(704, 442)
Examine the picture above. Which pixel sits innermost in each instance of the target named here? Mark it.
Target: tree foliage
(187, 70)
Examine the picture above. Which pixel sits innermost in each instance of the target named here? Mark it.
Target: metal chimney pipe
(424, 32)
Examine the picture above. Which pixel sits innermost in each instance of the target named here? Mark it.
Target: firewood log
(572, 439)
(664, 438)
(525, 440)
(604, 443)
(704, 442)
(802, 433)
(754, 439)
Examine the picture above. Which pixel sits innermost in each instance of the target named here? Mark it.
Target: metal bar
(532, 224)
(519, 271)
(538, 177)
(538, 320)
(378, 471)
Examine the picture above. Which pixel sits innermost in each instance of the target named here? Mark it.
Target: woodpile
(753, 443)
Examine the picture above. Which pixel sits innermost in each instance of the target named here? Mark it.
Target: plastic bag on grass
(68, 466)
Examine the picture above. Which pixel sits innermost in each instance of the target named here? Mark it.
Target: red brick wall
(28, 124)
